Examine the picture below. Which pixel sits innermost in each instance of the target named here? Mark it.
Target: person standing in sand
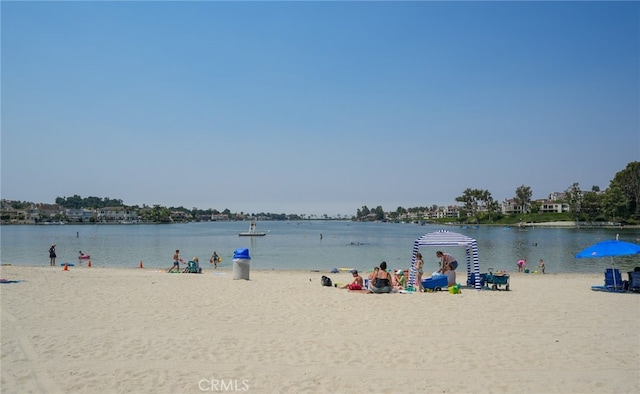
(447, 261)
(522, 263)
(52, 255)
(542, 266)
(448, 266)
(419, 269)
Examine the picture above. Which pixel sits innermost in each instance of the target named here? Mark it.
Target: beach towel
(2, 280)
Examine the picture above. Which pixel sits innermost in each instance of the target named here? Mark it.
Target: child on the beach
(176, 262)
(372, 276)
(214, 259)
(400, 280)
(357, 283)
(521, 264)
(542, 266)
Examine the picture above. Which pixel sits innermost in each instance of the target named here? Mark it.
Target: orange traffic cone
(89, 263)
(141, 264)
(66, 267)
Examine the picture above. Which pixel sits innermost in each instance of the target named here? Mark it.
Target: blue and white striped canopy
(447, 238)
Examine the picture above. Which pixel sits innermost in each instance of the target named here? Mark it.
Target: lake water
(304, 245)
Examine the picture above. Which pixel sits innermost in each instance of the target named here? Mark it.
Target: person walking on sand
(176, 262)
(542, 266)
(52, 255)
(214, 259)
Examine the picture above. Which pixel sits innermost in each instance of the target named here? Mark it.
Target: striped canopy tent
(443, 238)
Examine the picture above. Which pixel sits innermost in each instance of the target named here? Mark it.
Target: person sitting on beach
(400, 280)
(372, 276)
(382, 281)
(176, 262)
(357, 284)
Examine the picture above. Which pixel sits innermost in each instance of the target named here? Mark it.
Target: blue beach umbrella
(610, 248)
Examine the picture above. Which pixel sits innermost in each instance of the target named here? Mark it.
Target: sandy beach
(105, 330)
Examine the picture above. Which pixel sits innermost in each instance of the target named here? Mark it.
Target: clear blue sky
(315, 107)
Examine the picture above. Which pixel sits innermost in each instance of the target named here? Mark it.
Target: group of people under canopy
(381, 281)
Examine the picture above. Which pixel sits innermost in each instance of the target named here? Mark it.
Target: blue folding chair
(612, 282)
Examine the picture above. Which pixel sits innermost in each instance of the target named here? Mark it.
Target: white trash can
(241, 264)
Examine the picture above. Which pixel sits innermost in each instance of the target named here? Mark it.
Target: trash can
(241, 264)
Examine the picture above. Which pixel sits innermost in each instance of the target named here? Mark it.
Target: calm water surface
(304, 245)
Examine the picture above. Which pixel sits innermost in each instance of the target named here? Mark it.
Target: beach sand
(99, 330)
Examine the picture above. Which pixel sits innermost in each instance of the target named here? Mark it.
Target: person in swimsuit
(419, 265)
(382, 281)
(447, 262)
(214, 259)
(357, 284)
(52, 255)
(521, 265)
(371, 277)
(400, 280)
(176, 262)
(448, 266)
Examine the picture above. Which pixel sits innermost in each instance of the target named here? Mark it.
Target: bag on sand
(326, 281)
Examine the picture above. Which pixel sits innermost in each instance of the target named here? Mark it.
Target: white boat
(252, 231)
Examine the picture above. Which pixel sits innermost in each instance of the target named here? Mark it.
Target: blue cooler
(435, 283)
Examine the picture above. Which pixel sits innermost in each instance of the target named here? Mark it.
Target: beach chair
(471, 279)
(634, 281)
(612, 281)
(192, 268)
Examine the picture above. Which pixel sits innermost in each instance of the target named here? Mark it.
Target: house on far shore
(116, 215)
(549, 206)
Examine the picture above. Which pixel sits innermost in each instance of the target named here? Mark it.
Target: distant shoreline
(554, 224)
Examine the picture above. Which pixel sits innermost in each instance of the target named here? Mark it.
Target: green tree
(574, 199)
(363, 212)
(591, 206)
(469, 200)
(628, 180)
(379, 212)
(523, 198)
(614, 203)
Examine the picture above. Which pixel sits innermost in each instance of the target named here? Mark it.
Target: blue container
(435, 283)
(241, 254)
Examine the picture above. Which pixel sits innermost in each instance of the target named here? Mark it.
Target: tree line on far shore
(619, 203)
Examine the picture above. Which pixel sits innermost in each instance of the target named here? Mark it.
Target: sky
(315, 107)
